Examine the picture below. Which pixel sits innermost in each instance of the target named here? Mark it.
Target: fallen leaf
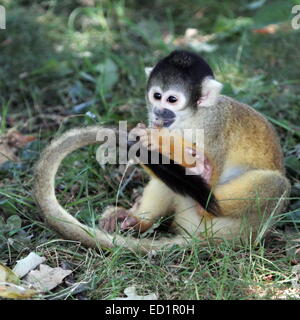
(7, 153)
(27, 264)
(109, 75)
(12, 291)
(7, 275)
(132, 295)
(10, 143)
(192, 38)
(17, 139)
(270, 29)
(46, 278)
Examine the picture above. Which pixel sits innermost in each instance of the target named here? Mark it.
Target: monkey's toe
(110, 221)
(129, 222)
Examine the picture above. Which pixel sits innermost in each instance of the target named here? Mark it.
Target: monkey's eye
(157, 96)
(172, 99)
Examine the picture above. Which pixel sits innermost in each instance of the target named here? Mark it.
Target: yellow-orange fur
(237, 139)
(248, 179)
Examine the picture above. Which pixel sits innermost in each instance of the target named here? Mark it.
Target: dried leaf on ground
(132, 295)
(12, 291)
(195, 40)
(273, 28)
(270, 29)
(9, 285)
(27, 264)
(10, 143)
(7, 275)
(17, 139)
(46, 278)
(7, 153)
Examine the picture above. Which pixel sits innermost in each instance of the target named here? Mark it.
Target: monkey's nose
(164, 113)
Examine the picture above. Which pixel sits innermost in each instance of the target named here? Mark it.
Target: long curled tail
(63, 222)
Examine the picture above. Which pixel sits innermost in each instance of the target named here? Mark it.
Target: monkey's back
(252, 139)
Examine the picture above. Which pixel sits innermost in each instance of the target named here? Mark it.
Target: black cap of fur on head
(184, 68)
(186, 59)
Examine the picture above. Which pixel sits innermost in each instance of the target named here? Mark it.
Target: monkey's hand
(202, 166)
(172, 145)
(154, 139)
(148, 138)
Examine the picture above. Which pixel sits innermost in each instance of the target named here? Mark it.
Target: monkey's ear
(148, 71)
(210, 92)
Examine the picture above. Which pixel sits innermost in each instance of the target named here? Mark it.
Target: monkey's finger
(121, 214)
(103, 224)
(108, 224)
(141, 125)
(112, 225)
(151, 145)
(128, 223)
(145, 142)
(137, 132)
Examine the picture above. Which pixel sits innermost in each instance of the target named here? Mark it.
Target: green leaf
(109, 75)
(228, 26)
(14, 222)
(7, 207)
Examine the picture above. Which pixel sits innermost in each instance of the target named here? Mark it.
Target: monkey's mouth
(163, 122)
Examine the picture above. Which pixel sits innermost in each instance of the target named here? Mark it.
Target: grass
(66, 64)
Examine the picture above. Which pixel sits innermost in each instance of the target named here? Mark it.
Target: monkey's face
(167, 105)
(178, 86)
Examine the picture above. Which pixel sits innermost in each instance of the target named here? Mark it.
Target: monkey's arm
(189, 171)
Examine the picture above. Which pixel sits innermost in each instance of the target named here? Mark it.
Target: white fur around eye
(151, 97)
(179, 104)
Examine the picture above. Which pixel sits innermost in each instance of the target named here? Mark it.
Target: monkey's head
(177, 86)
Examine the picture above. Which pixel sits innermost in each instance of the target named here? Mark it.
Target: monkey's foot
(113, 216)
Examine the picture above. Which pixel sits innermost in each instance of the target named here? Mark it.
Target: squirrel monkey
(241, 173)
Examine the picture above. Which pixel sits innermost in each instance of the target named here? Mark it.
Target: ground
(68, 63)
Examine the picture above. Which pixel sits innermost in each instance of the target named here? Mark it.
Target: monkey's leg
(245, 203)
(255, 190)
(250, 199)
(187, 219)
(156, 202)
